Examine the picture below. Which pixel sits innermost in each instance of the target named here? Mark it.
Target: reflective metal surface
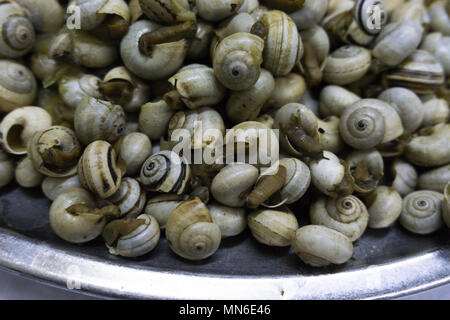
(386, 263)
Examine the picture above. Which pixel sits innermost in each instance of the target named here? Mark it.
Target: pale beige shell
(231, 221)
(298, 180)
(347, 215)
(288, 89)
(435, 179)
(274, 228)
(162, 206)
(411, 11)
(318, 38)
(154, 118)
(439, 46)
(329, 136)
(92, 13)
(319, 246)
(242, 22)
(384, 206)
(405, 177)
(335, 99)
(46, 15)
(200, 45)
(73, 87)
(130, 198)
(167, 11)
(328, 173)
(364, 170)
(135, 148)
(18, 86)
(439, 16)
(18, 127)
(6, 169)
(26, 175)
(435, 111)
(53, 187)
(217, 10)
(310, 14)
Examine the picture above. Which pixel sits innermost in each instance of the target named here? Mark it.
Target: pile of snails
(92, 93)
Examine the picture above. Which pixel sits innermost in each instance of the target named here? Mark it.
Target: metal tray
(386, 263)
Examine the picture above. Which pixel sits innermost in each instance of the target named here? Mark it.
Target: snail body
(167, 11)
(384, 206)
(191, 232)
(231, 221)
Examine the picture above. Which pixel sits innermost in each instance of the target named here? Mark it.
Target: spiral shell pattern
(130, 198)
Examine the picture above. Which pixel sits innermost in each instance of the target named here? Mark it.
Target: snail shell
(430, 148)
(384, 206)
(242, 22)
(191, 232)
(17, 31)
(362, 13)
(166, 172)
(446, 205)
(168, 11)
(17, 86)
(231, 221)
(130, 198)
(435, 111)
(199, 47)
(162, 206)
(217, 10)
(61, 114)
(288, 89)
(197, 86)
(134, 149)
(439, 17)
(420, 72)
(6, 169)
(45, 68)
(283, 47)
(132, 238)
(165, 58)
(237, 60)
(435, 179)
(73, 87)
(92, 13)
(55, 151)
(412, 11)
(405, 177)
(369, 123)
(53, 187)
(310, 14)
(46, 15)
(154, 118)
(231, 185)
(319, 246)
(335, 99)
(347, 215)
(329, 136)
(246, 105)
(298, 180)
(439, 46)
(364, 170)
(26, 175)
(273, 227)
(346, 65)
(397, 41)
(318, 38)
(18, 127)
(407, 104)
(98, 120)
(422, 211)
(98, 171)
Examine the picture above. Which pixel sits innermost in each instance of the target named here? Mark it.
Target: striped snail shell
(98, 120)
(55, 152)
(98, 171)
(166, 172)
(17, 31)
(130, 198)
(363, 11)
(347, 215)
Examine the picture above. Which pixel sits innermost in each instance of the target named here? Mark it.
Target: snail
(420, 72)
(439, 46)
(370, 122)
(430, 148)
(166, 172)
(268, 183)
(26, 175)
(134, 149)
(435, 179)
(46, 15)
(94, 12)
(299, 130)
(328, 175)
(167, 11)
(231, 221)
(274, 228)
(98, 171)
(412, 11)
(407, 104)
(384, 206)
(287, 6)
(347, 64)
(446, 205)
(156, 61)
(98, 120)
(132, 238)
(74, 218)
(405, 177)
(61, 114)
(230, 185)
(241, 22)
(267, 120)
(364, 170)
(74, 86)
(319, 246)
(246, 105)
(440, 17)
(53, 187)
(17, 31)
(6, 169)
(161, 206)
(310, 14)
(154, 118)
(217, 10)
(18, 86)
(196, 86)
(363, 14)
(288, 89)
(335, 99)
(319, 40)
(55, 152)
(130, 198)
(120, 87)
(237, 60)
(422, 212)
(191, 232)
(200, 44)
(280, 57)
(347, 215)
(329, 136)
(435, 111)
(18, 127)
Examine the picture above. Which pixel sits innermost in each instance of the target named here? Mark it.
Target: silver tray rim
(94, 276)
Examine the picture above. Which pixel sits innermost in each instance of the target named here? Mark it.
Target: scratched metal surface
(386, 263)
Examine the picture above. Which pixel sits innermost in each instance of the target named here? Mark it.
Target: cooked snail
(154, 118)
(310, 14)
(46, 15)
(435, 179)
(435, 111)
(74, 86)
(439, 46)
(130, 198)
(231, 221)
(134, 149)
(26, 175)
(53, 187)
(167, 11)
(335, 99)
(384, 206)
(364, 170)
(6, 169)
(405, 177)
(216, 10)
(288, 89)
(162, 206)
